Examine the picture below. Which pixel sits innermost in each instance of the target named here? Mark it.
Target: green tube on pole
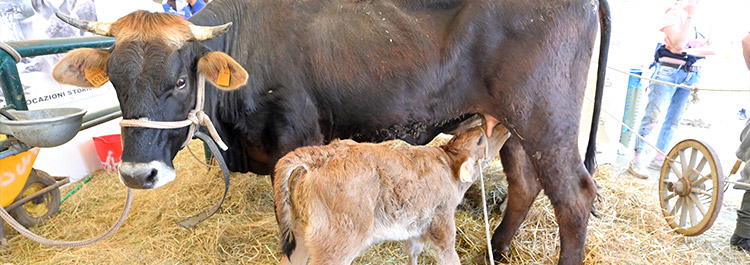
(71, 192)
(632, 106)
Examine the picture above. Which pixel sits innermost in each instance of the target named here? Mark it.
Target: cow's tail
(605, 29)
(283, 181)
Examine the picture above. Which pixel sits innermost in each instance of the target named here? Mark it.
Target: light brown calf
(333, 201)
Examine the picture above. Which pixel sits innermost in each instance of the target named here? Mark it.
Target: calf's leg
(413, 247)
(523, 189)
(337, 242)
(442, 234)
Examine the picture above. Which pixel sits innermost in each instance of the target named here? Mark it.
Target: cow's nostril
(151, 179)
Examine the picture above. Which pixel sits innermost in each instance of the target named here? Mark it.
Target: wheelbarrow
(692, 186)
(28, 194)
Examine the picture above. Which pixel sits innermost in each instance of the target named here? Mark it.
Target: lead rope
(484, 201)
(57, 243)
(195, 117)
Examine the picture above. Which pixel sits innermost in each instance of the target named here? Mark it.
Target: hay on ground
(631, 229)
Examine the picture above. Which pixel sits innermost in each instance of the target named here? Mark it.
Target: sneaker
(638, 170)
(656, 164)
(739, 243)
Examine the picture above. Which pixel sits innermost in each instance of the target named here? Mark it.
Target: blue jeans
(673, 99)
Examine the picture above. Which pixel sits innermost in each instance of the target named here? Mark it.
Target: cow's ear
(466, 170)
(84, 67)
(222, 71)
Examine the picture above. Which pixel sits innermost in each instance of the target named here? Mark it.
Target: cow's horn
(99, 28)
(201, 33)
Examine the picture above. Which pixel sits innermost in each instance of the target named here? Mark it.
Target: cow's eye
(180, 83)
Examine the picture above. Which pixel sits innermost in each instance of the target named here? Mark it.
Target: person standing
(192, 7)
(677, 61)
(741, 237)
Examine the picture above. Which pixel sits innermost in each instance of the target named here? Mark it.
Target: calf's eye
(180, 83)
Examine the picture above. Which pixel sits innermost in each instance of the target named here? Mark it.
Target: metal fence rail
(9, 79)
(13, 89)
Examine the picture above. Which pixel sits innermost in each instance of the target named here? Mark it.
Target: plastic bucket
(109, 150)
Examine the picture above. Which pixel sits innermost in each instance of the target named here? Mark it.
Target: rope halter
(195, 117)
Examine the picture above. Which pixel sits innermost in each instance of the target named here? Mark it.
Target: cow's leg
(523, 188)
(569, 187)
(572, 195)
(442, 234)
(413, 247)
(293, 124)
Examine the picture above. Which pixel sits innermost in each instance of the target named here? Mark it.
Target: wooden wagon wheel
(691, 187)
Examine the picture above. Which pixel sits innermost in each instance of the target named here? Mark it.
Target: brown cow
(333, 201)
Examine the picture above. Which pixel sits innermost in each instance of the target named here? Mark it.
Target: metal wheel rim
(693, 214)
(32, 208)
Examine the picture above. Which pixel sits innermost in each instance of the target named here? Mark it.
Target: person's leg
(741, 237)
(679, 103)
(659, 97)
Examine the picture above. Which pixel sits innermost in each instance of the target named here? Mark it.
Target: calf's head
(154, 67)
(470, 146)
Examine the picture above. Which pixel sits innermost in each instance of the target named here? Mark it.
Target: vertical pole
(11, 83)
(632, 106)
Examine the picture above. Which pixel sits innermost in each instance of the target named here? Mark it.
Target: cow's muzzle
(149, 175)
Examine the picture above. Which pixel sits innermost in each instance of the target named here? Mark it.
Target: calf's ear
(466, 170)
(222, 71)
(84, 67)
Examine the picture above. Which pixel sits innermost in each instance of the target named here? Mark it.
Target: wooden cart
(692, 186)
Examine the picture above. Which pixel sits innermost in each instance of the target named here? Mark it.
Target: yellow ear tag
(96, 76)
(223, 79)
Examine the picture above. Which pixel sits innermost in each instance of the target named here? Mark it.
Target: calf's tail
(605, 28)
(285, 180)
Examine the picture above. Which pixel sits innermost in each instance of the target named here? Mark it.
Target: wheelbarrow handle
(735, 167)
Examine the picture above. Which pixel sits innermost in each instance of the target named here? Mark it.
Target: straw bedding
(630, 230)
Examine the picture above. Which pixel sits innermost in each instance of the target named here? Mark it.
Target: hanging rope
(693, 88)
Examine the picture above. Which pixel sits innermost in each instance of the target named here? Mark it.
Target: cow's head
(154, 67)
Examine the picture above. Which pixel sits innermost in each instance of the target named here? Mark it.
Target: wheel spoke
(697, 202)
(676, 207)
(701, 179)
(674, 169)
(700, 191)
(683, 163)
(698, 169)
(670, 196)
(683, 215)
(693, 216)
(693, 157)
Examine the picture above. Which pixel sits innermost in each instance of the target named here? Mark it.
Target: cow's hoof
(502, 255)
